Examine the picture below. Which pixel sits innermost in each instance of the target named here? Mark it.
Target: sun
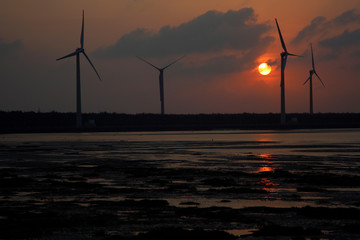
(264, 69)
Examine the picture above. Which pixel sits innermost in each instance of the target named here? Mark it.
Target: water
(318, 142)
(285, 136)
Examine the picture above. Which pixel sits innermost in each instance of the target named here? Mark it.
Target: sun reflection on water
(267, 184)
(270, 188)
(266, 164)
(265, 169)
(265, 156)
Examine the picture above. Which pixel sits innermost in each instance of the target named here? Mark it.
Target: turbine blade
(82, 32)
(91, 64)
(148, 63)
(174, 62)
(307, 80)
(312, 58)
(281, 38)
(319, 79)
(69, 55)
(291, 54)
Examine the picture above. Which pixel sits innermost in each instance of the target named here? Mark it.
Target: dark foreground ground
(177, 190)
(20, 122)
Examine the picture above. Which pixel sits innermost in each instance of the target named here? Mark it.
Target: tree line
(18, 121)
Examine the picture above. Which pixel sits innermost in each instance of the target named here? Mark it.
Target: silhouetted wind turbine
(77, 53)
(284, 56)
(312, 72)
(161, 80)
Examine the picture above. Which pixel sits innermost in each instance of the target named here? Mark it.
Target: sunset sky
(224, 42)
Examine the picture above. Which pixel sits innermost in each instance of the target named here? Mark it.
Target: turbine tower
(284, 56)
(77, 53)
(161, 80)
(312, 72)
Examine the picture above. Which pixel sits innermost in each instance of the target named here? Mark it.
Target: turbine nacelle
(311, 73)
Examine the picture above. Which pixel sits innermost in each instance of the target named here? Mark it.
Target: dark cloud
(314, 28)
(321, 25)
(272, 62)
(347, 17)
(346, 39)
(6, 49)
(342, 43)
(225, 64)
(356, 54)
(211, 32)
(222, 64)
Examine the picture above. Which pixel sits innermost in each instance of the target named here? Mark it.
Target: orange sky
(216, 77)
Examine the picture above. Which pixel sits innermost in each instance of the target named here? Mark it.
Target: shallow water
(274, 141)
(285, 136)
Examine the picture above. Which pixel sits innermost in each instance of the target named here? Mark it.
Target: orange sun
(264, 69)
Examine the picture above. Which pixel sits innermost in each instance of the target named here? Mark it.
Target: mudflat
(178, 189)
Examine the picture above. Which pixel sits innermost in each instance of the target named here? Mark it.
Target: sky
(223, 41)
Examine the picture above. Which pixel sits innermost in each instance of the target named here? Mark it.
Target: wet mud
(178, 190)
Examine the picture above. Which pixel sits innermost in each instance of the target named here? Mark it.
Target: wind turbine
(312, 72)
(284, 56)
(77, 53)
(161, 80)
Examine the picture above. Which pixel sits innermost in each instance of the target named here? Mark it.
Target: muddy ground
(178, 190)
